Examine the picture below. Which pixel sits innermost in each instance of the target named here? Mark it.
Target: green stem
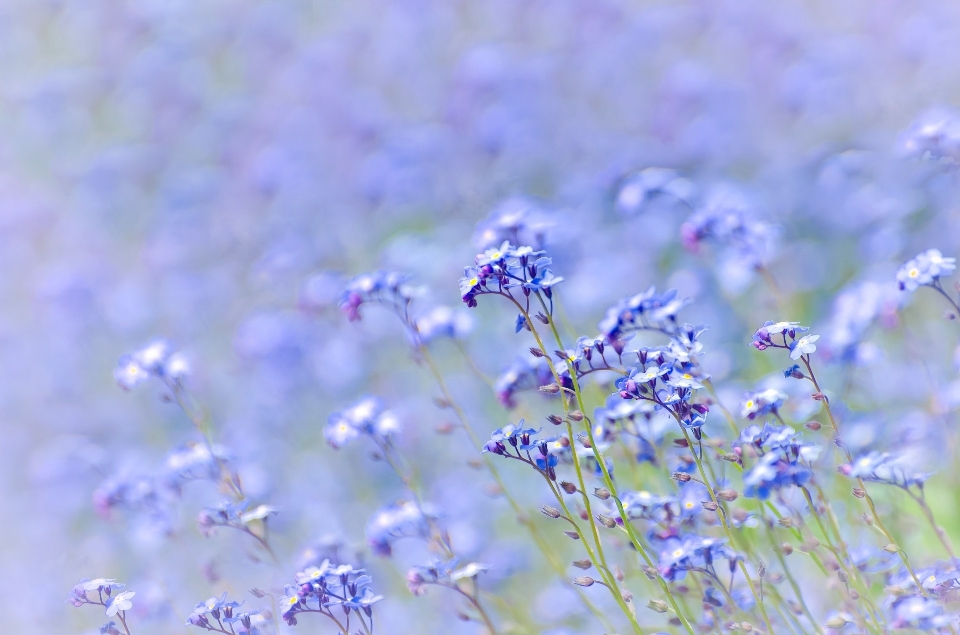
(491, 467)
(866, 495)
(608, 481)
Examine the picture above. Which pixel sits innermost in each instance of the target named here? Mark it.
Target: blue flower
(405, 519)
(443, 321)
(389, 287)
(918, 612)
(924, 269)
(544, 281)
(773, 471)
(365, 417)
(644, 311)
(763, 402)
(886, 468)
(156, 359)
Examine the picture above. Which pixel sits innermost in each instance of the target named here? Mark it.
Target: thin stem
(474, 600)
(722, 515)
(928, 513)
(608, 481)
(866, 495)
(123, 620)
(939, 289)
(491, 467)
(786, 570)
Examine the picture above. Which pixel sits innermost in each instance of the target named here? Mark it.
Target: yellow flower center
(473, 282)
(750, 403)
(914, 273)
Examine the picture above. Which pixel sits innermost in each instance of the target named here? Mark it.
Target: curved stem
(491, 467)
(866, 495)
(608, 481)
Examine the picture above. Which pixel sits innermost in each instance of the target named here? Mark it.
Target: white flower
(120, 602)
(804, 345)
(469, 571)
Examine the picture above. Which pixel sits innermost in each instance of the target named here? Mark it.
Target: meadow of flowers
(480, 318)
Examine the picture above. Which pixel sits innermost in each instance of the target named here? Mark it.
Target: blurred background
(211, 172)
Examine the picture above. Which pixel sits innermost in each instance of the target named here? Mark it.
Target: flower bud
(786, 521)
(569, 488)
(554, 419)
(618, 573)
(584, 580)
(536, 352)
(786, 548)
(681, 477)
(859, 492)
(550, 512)
(572, 535)
(727, 495)
(836, 622)
(891, 548)
(657, 605)
(550, 389)
(650, 572)
(582, 564)
(810, 544)
(602, 493)
(813, 425)
(710, 506)
(606, 521)
(576, 415)
(843, 576)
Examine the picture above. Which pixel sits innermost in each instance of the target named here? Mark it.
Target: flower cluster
(924, 269)
(238, 515)
(887, 468)
(156, 359)
(782, 460)
(524, 444)
(217, 614)
(438, 573)
(108, 593)
(775, 334)
(328, 588)
(500, 270)
(365, 417)
(403, 519)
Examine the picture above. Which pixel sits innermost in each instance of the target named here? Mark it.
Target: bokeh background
(209, 172)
